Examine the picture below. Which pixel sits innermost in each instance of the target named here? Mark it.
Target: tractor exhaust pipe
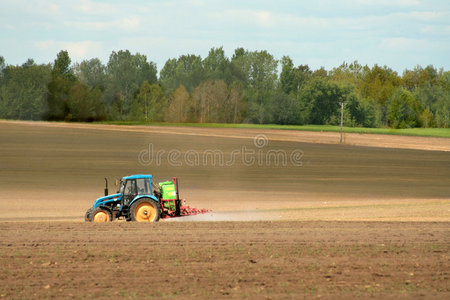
(106, 186)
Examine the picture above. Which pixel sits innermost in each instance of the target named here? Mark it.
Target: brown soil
(55, 170)
(328, 227)
(225, 259)
(355, 139)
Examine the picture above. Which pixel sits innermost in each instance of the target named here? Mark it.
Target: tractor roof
(137, 176)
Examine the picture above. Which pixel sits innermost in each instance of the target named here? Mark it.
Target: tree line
(249, 87)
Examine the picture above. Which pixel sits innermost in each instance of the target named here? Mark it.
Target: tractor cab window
(121, 187)
(130, 191)
(143, 187)
(130, 187)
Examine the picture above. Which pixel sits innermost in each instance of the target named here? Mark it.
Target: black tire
(145, 210)
(87, 216)
(100, 214)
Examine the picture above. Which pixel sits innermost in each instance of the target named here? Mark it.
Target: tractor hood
(108, 198)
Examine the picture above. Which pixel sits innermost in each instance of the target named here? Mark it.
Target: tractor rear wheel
(101, 215)
(145, 210)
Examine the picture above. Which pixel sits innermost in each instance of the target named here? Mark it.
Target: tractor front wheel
(87, 216)
(145, 210)
(101, 215)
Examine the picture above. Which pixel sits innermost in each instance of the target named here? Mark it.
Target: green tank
(168, 192)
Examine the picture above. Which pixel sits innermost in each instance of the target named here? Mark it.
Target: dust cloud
(243, 215)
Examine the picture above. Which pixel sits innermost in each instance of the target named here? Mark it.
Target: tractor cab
(133, 186)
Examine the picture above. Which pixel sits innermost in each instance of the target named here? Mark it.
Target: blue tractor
(138, 200)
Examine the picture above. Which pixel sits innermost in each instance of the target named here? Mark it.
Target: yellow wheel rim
(101, 216)
(145, 212)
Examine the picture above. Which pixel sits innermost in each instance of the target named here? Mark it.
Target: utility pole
(342, 119)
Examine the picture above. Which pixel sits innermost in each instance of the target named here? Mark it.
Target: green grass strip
(429, 132)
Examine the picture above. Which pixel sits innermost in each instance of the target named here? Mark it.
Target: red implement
(189, 211)
(185, 210)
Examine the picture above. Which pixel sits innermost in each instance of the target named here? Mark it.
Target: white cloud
(53, 8)
(269, 19)
(402, 43)
(83, 49)
(428, 15)
(407, 2)
(435, 30)
(77, 50)
(90, 7)
(32, 8)
(263, 17)
(197, 2)
(128, 24)
(345, 29)
(387, 2)
(45, 45)
(260, 18)
(296, 26)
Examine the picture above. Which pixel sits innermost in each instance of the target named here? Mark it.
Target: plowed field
(295, 215)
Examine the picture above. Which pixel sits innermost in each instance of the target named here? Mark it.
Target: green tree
(2, 67)
(434, 96)
(429, 96)
(348, 74)
(23, 91)
(287, 76)
(126, 72)
(378, 84)
(240, 67)
(217, 66)
(319, 101)
(61, 66)
(29, 63)
(150, 103)
(442, 106)
(84, 104)
(187, 70)
(59, 87)
(68, 98)
(262, 80)
(210, 100)
(285, 108)
(168, 76)
(403, 110)
(413, 79)
(116, 110)
(359, 112)
(91, 73)
(442, 115)
(444, 81)
(302, 75)
(427, 118)
(2, 64)
(237, 103)
(179, 108)
(320, 73)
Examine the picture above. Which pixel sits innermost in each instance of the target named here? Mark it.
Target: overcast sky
(396, 33)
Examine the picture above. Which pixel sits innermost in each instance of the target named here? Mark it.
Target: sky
(323, 33)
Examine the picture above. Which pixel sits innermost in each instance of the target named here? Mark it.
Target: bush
(404, 110)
